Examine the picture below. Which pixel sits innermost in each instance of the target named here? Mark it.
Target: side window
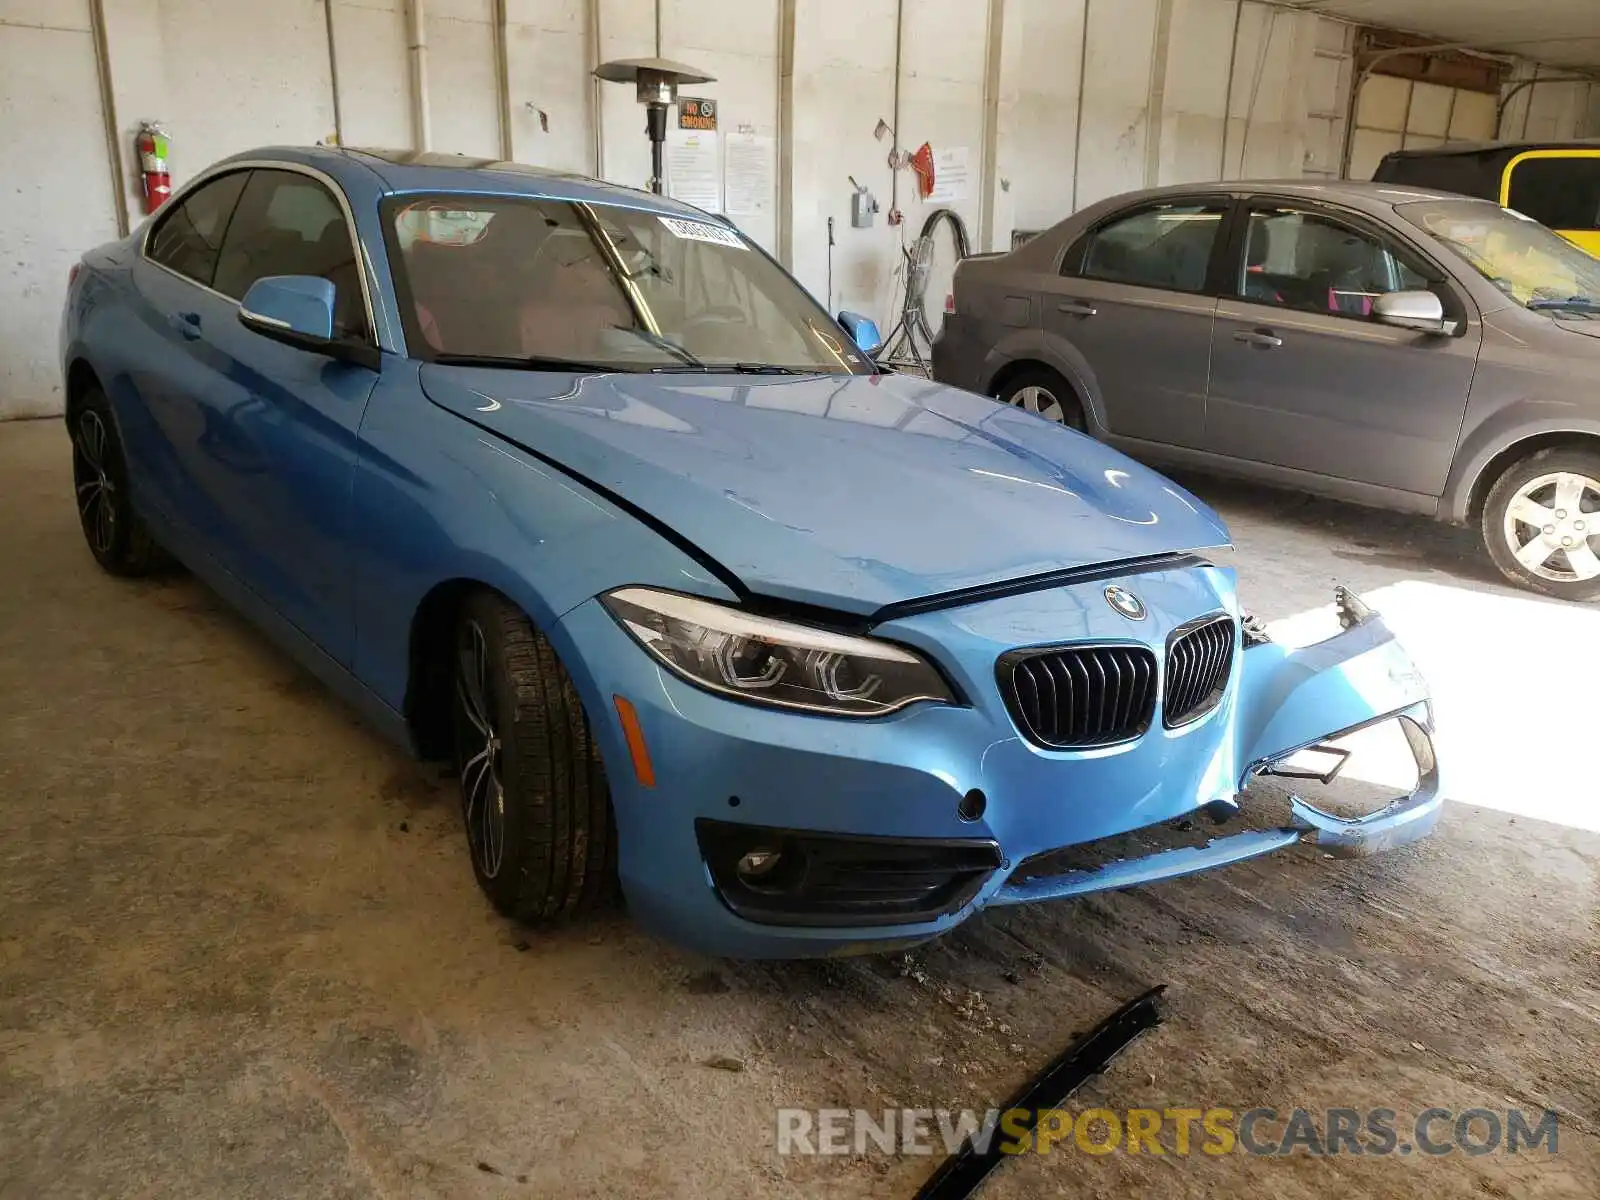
(1165, 247)
(290, 224)
(1312, 262)
(187, 238)
(1563, 193)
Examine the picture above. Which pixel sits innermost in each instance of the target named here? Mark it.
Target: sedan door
(275, 456)
(1304, 377)
(1133, 303)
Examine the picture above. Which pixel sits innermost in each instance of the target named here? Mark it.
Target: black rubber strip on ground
(960, 1175)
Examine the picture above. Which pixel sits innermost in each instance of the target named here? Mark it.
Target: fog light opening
(759, 864)
(972, 805)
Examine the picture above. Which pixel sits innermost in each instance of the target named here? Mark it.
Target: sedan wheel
(116, 535)
(97, 499)
(534, 798)
(1041, 402)
(1045, 394)
(1542, 524)
(483, 797)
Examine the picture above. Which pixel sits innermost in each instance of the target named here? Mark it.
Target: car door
(1133, 301)
(1303, 376)
(280, 424)
(166, 363)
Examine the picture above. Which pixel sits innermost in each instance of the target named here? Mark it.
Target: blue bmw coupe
(575, 487)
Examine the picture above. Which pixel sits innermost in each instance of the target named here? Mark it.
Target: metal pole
(894, 174)
(502, 80)
(108, 114)
(333, 74)
(1227, 95)
(1156, 97)
(786, 21)
(416, 37)
(1083, 80)
(656, 127)
(596, 106)
(993, 40)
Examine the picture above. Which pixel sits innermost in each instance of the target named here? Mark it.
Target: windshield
(547, 283)
(1535, 267)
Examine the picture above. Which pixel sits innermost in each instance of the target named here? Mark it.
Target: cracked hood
(851, 492)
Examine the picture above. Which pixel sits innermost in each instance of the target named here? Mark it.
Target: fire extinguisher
(152, 145)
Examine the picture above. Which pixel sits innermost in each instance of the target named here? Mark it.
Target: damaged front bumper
(1293, 700)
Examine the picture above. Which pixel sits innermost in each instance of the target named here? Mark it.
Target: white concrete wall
(226, 75)
(57, 197)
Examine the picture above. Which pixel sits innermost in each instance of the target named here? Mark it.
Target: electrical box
(862, 206)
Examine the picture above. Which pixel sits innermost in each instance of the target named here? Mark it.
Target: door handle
(187, 324)
(1077, 308)
(1264, 338)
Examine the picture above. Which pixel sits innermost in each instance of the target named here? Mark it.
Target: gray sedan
(1398, 348)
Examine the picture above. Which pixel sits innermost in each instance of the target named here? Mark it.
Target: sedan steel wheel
(483, 797)
(1041, 402)
(97, 508)
(1549, 525)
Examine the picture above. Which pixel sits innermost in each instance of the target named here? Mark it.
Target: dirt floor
(241, 951)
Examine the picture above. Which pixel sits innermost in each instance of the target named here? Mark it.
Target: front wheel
(116, 535)
(1541, 523)
(1045, 394)
(533, 791)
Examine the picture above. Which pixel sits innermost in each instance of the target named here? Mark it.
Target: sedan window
(1312, 262)
(1166, 247)
(1533, 266)
(290, 224)
(186, 239)
(547, 282)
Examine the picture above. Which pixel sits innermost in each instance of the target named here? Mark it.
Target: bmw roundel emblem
(1125, 602)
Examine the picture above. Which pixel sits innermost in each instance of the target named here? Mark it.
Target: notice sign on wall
(696, 113)
(694, 168)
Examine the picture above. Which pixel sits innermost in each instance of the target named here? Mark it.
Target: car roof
(402, 171)
(1360, 193)
(1453, 149)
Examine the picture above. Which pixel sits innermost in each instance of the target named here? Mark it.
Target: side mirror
(1422, 311)
(863, 332)
(296, 309)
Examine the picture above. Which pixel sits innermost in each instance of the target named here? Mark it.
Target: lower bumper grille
(1199, 662)
(807, 878)
(1080, 696)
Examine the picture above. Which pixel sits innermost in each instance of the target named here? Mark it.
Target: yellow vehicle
(1555, 183)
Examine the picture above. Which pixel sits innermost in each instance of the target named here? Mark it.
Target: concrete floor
(241, 952)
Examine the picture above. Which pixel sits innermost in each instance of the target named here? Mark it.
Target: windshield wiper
(1583, 304)
(661, 343)
(536, 362)
(738, 368)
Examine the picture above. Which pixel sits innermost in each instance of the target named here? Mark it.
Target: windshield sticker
(699, 231)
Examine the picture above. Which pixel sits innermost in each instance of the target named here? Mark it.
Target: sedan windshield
(1534, 266)
(554, 283)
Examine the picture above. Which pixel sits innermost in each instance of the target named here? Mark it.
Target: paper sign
(694, 169)
(951, 179)
(700, 231)
(748, 169)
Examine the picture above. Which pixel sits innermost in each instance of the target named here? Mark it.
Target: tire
(1045, 393)
(117, 536)
(534, 799)
(1556, 491)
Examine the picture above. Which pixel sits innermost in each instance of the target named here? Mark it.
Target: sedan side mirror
(1422, 311)
(297, 310)
(863, 332)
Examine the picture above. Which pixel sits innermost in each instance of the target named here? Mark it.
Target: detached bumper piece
(960, 1175)
(798, 877)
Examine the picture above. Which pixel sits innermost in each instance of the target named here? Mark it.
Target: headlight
(775, 662)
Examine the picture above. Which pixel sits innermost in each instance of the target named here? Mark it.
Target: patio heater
(657, 81)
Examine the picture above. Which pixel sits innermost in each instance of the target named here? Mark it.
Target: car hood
(852, 492)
